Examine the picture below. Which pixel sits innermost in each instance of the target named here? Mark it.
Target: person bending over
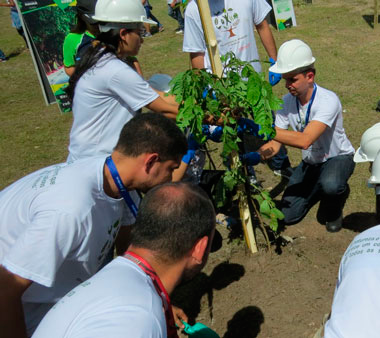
(130, 297)
(59, 222)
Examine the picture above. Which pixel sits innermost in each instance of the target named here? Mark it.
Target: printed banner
(284, 14)
(47, 23)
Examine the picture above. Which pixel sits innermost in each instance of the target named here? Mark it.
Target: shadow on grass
(15, 52)
(360, 221)
(188, 296)
(245, 323)
(369, 20)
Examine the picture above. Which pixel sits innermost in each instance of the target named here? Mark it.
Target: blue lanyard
(308, 108)
(120, 186)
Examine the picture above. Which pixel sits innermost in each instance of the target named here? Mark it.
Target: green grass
(33, 135)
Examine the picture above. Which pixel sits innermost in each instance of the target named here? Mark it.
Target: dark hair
(152, 133)
(80, 26)
(306, 69)
(105, 43)
(171, 218)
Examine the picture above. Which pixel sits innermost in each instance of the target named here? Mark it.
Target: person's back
(131, 295)
(119, 299)
(101, 106)
(356, 303)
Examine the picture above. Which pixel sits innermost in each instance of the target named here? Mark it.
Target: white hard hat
(292, 54)
(121, 11)
(369, 144)
(160, 82)
(375, 174)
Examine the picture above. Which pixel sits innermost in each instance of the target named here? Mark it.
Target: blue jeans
(280, 160)
(149, 15)
(2, 55)
(175, 13)
(310, 183)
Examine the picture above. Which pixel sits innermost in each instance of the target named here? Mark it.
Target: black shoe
(336, 225)
(378, 106)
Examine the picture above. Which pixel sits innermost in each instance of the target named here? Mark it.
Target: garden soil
(284, 292)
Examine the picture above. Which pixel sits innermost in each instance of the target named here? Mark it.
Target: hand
(267, 151)
(248, 126)
(252, 158)
(274, 78)
(212, 132)
(179, 315)
(205, 93)
(213, 120)
(192, 146)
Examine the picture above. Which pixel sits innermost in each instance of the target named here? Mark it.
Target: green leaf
(273, 224)
(242, 92)
(265, 208)
(277, 213)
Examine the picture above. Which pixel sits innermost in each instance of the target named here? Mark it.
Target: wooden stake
(375, 14)
(217, 69)
(210, 38)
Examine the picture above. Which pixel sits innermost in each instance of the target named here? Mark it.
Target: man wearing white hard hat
(369, 145)
(315, 115)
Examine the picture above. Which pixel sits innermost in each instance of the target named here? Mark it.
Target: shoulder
(288, 102)
(327, 99)
(192, 9)
(72, 38)
(76, 184)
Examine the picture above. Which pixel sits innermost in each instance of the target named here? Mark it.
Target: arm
(161, 105)
(12, 320)
(197, 60)
(137, 66)
(69, 70)
(167, 98)
(302, 140)
(179, 172)
(269, 149)
(267, 39)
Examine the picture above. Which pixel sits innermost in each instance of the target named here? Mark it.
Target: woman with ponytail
(106, 90)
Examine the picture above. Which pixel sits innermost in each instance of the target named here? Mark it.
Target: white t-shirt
(56, 226)
(106, 97)
(119, 301)
(326, 108)
(234, 22)
(356, 305)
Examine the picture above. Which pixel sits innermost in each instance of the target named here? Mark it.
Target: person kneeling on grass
(315, 115)
(129, 297)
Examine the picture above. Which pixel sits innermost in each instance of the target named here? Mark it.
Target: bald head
(171, 218)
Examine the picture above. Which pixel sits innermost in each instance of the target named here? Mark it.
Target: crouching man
(129, 297)
(315, 115)
(58, 223)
